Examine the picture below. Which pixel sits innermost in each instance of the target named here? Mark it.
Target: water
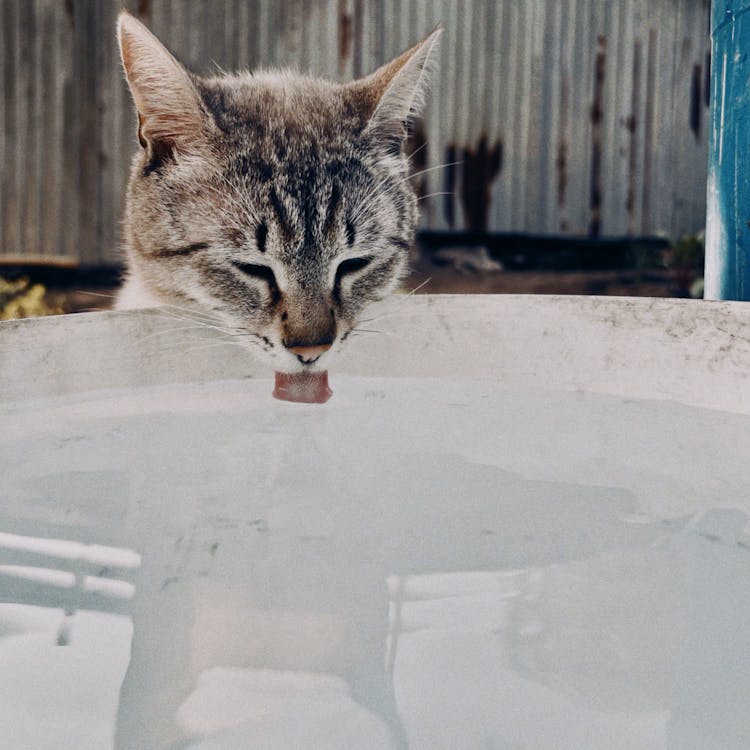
(417, 564)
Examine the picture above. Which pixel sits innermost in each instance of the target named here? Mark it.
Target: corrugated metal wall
(565, 116)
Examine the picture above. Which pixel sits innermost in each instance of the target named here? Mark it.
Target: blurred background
(563, 150)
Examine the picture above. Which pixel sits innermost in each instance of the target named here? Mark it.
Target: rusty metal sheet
(573, 117)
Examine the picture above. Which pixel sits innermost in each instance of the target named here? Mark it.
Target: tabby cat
(274, 203)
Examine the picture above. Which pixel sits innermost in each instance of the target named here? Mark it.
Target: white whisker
(432, 169)
(194, 313)
(417, 288)
(171, 305)
(175, 330)
(416, 151)
(95, 294)
(200, 323)
(432, 195)
(398, 300)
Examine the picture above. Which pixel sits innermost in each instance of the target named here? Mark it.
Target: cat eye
(350, 266)
(264, 273)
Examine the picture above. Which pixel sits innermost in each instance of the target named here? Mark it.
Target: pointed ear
(170, 115)
(391, 96)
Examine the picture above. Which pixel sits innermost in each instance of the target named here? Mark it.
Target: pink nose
(310, 352)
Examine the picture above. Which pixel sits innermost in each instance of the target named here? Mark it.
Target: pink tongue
(302, 387)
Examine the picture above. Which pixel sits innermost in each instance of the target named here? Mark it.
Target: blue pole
(728, 200)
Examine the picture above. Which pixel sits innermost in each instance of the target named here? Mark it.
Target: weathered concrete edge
(695, 352)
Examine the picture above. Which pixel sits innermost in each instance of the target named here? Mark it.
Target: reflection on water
(514, 569)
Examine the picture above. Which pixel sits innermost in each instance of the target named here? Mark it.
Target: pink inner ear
(302, 387)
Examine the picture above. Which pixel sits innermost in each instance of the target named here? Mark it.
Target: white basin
(520, 522)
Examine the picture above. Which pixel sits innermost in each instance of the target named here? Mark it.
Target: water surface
(416, 564)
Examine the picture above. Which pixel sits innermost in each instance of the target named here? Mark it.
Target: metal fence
(564, 116)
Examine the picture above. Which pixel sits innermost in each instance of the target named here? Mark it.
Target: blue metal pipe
(728, 202)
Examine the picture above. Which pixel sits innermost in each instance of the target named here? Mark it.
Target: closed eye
(264, 273)
(350, 266)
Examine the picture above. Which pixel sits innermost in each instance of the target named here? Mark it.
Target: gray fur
(251, 191)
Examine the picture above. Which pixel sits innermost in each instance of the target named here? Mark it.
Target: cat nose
(308, 331)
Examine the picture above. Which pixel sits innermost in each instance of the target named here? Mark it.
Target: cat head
(278, 203)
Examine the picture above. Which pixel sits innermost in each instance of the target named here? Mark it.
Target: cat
(277, 204)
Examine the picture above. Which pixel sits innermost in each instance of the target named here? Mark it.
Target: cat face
(277, 204)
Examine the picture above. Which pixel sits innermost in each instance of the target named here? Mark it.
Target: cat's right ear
(170, 115)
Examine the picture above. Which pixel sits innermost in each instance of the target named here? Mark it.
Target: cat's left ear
(395, 93)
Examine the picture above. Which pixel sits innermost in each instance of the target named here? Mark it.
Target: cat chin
(293, 367)
(279, 360)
